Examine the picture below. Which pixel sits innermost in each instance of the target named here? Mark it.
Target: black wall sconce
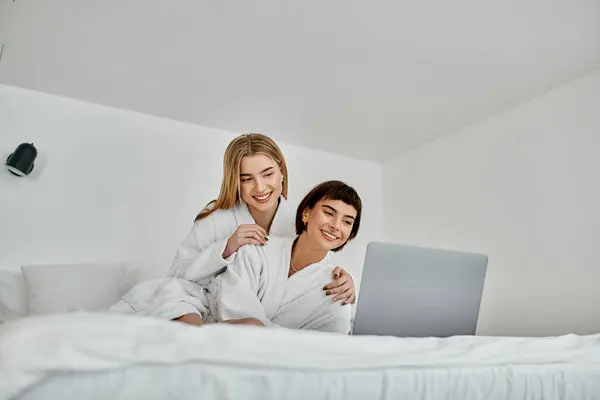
(21, 162)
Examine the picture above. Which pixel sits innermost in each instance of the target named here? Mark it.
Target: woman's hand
(341, 287)
(245, 234)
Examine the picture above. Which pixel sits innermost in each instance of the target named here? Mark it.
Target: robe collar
(281, 222)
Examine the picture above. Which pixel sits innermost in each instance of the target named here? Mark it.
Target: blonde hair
(250, 144)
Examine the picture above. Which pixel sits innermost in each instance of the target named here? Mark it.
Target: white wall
(523, 187)
(117, 185)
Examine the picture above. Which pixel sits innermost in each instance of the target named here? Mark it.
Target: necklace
(291, 255)
(292, 265)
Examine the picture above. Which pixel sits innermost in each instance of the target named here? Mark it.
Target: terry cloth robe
(199, 257)
(254, 285)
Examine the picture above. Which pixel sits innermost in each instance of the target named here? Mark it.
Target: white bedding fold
(33, 348)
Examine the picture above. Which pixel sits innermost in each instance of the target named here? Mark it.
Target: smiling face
(260, 182)
(329, 223)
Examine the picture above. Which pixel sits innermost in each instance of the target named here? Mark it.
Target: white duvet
(224, 361)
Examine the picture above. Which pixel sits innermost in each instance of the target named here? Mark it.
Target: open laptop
(412, 291)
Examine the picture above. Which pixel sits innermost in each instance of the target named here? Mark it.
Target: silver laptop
(412, 291)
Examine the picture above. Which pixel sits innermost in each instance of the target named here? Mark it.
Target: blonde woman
(250, 206)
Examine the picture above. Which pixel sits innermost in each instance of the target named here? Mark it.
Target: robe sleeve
(338, 321)
(239, 288)
(199, 257)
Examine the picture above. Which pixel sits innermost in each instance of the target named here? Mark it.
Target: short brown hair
(333, 190)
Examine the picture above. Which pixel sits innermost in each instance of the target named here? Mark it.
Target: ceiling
(367, 79)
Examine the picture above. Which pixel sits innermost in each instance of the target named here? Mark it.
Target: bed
(85, 355)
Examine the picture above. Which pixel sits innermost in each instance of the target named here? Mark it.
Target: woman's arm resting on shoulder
(200, 255)
(341, 287)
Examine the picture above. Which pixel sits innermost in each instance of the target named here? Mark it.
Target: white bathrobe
(254, 285)
(199, 257)
(257, 285)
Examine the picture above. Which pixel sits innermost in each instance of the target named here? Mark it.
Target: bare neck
(263, 218)
(304, 253)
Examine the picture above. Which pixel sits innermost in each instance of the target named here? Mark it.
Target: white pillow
(75, 287)
(13, 302)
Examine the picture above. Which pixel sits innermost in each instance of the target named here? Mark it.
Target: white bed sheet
(122, 357)
(197, 381)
